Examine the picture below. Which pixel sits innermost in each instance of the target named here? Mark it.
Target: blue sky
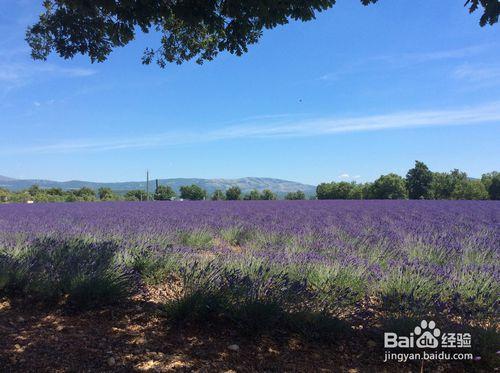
(360, 92)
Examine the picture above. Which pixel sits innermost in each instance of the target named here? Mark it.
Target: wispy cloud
(288, 128)
(330, 76)
(44, 103)
(10, 52)
(403, 60)
(21, 73)
(422, 57)
(478, 73)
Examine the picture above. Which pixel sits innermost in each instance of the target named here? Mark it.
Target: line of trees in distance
(196, 193)
(419, 183)
(162, 193)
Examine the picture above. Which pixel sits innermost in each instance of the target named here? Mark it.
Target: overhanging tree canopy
(190, 29)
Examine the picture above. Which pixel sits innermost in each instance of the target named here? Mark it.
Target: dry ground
(136, 337)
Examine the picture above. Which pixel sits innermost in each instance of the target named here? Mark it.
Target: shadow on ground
(135, 337)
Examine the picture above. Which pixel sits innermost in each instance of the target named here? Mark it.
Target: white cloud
(284, 128)
(346, 176)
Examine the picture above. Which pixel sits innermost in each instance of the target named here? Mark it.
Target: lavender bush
(82, 272)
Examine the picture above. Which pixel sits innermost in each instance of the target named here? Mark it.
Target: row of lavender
(424, 256)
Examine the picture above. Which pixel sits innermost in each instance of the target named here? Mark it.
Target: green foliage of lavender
(81, 272)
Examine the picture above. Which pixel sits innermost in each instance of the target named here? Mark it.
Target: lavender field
(322, 270)
(411, 256)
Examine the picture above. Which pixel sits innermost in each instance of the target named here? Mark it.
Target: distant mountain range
(246, 184)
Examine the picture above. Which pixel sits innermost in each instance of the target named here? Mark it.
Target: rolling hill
(246, 184)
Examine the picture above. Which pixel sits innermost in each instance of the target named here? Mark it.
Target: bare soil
(135, 336)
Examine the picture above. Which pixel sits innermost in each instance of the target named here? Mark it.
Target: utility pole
(147, 185)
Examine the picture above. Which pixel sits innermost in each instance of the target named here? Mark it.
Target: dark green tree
(136, 195)
(418, 181)
(333, 190)
(190, 28)
(390, 186)
(366, 191)
(4, 195)
(341, 190)
(469, 189)
(106, 194)
(254, 195)
(52, 195)
(84, 194)
(491, 182)
(34, 190)
(38, 194)
(267, 195)
(70, 197)
(218, 195)
(494, 188)
(20, 197)
(356, 191)
(298, 195)
(441, 186)
(164, 193)
(193, 192)
(233, 193)
(447, 185)
(324, 191)
(55, 191)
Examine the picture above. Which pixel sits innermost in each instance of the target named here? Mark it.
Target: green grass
(198, 239)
